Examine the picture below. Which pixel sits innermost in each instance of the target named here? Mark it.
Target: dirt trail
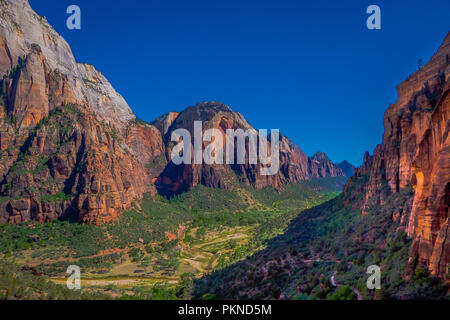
(335, 284)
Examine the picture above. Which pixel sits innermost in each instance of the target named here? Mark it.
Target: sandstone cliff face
(416, 150)
(69, 143)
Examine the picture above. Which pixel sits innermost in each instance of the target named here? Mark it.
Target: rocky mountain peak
(211, 114)
(322, 166)
(213, 105)
(320, 156)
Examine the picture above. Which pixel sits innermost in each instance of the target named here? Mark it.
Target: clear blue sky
(311, 69)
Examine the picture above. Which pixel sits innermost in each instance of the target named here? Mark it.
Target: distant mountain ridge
(295, 166)
(322, 166)
(347, 168)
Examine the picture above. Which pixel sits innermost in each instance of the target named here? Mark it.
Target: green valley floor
(158, 249)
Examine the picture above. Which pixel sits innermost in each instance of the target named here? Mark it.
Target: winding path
(333, 282)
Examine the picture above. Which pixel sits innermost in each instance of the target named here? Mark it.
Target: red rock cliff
(69, 143)
(416, 150)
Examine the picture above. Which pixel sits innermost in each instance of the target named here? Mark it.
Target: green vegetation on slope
(153, 248)
(21, 284)
(329, 239)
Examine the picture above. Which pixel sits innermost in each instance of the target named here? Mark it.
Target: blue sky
(311, 69)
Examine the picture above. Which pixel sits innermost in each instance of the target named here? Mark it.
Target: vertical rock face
(416, 150)
(429, 221)
(69, 143)
(29, 103)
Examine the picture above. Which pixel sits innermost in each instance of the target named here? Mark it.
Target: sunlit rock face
(70, 145)
(416, 151)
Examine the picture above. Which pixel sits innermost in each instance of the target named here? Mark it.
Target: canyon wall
(70, 146)
(416, 151)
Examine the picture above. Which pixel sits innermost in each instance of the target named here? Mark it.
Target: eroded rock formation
(416, 150)
(69, 143)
